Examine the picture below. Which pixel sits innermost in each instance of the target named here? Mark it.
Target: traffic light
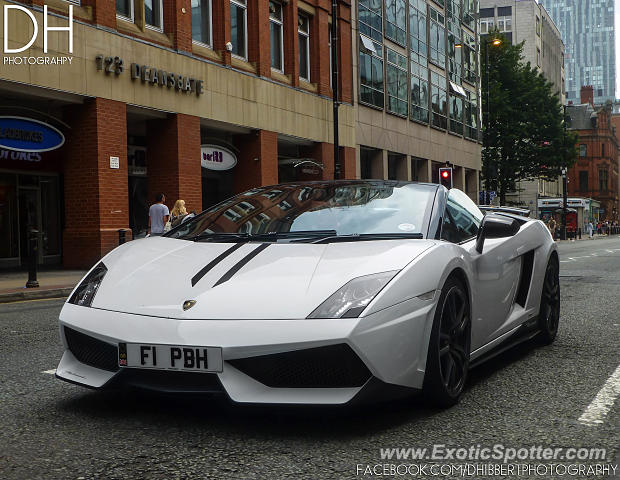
(445, 177)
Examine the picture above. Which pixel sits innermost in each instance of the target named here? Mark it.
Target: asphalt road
(529, 396)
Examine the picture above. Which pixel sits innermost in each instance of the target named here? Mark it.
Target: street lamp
(495, 42)
(564, 202)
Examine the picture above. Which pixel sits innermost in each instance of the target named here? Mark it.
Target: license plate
(170, 357)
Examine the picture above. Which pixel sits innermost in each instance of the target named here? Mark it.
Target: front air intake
(333, 366)
(91, 351)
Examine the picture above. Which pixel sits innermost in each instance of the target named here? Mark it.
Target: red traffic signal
(445, 176)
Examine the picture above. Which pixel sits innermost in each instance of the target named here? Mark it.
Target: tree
(524, 134)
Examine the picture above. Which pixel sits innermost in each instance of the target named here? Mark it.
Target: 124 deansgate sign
(151, 75)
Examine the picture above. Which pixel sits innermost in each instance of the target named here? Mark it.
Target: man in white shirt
(158, 216)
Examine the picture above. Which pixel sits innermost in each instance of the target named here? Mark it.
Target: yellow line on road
(34, 300)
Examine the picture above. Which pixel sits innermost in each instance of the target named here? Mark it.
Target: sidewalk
(52, 284)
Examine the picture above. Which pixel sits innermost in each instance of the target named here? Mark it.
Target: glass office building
(588, 32)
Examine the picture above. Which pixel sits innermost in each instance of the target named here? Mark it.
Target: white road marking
(602, 403)
(49, 372)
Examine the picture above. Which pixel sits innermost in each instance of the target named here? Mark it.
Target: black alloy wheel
(549, 314)
(449, 348)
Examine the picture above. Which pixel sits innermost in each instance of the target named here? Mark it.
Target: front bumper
(387, 347)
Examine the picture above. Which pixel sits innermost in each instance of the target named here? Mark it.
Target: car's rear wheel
(549, 313)
(448, 351)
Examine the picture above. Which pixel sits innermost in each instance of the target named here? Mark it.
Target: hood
(154, 276)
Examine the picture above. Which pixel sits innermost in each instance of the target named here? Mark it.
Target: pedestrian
(552, 226)
(178, 213)
(590, 229)
(158, 216)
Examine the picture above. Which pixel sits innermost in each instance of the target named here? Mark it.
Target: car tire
(549, 312)
(447, 363)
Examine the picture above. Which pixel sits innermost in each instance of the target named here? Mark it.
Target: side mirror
(496, 226)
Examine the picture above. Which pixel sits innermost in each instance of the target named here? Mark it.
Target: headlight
(351, 300)
(85, 293)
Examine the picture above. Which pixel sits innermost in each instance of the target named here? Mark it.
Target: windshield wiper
(361, 237)
(267, 236)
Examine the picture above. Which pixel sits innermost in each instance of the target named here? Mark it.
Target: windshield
(330, 208)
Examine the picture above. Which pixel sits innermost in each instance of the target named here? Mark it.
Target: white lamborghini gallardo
(315, 293)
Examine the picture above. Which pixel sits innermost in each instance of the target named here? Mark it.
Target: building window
(603, 180)
(470, 58)
(275, 36)
(417, 31)
(538, 26)
(471, 115)
(396, 21)
(439, 101)
(201, 21)
(486, 25)
(153, 13)
(124, 8)
(397, 79)
(371, 72)
(583, 181)
(455, 58)
(583, 150)
(239, 27)
(504, 24)
(303, 33)
(602, 149)
(419, 98)
(371, 19)
(470, 8)
(456, 115)
(538, 56)
(437, 39)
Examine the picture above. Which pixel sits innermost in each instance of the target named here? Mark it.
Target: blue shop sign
(27, 135)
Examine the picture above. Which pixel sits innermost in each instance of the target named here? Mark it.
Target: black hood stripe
(214, 262)
(244, 261)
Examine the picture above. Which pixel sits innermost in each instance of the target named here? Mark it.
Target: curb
(35, 294)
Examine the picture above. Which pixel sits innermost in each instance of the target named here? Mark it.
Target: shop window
(153, 14)
(124, 8)
(396, 21)
(276, 36)
(417, 31)
(437, 39)
(303, 34)
(396, 74)
(603, 180)
(583, 150)
(371, 72)
(583, 181)
(439, 101)
(201, 22)
(239, 28)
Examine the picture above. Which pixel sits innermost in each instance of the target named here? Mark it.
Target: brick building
(595, 174)
(198, 100)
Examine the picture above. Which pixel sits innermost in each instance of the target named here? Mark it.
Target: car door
(496, 271)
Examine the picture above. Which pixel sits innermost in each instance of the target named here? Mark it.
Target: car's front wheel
(447, 362)
(549, 313)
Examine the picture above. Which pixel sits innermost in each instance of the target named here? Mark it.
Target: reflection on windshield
(348, 208)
